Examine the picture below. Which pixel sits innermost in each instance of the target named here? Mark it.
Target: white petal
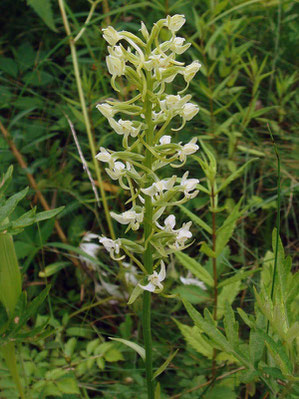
(149, 287)
(162, 274)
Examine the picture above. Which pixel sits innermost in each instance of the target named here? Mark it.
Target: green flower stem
(85, 116)
(148, 258)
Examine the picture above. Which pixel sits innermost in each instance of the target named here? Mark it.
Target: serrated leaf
(194, 338)
(137, 348)
(256, 347)
(43, 9)
(231, 326)
(195, 268)
(227, 294)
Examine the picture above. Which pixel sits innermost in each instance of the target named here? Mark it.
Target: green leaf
(227, 294)
(68, 385)
(5, 181)
(158, 391)
(113, 355)
(197, 220)
(240, 275)
(137, 291)
(195, 268)
(278, 353)
(207, 250)
(137, 348)
(224, 233)
(231, 326)
(53, 268)
(11, 203)
(9, 66)
(165, 364)
(43, 8)
(194, 338)
(256, 347)
(235, 175)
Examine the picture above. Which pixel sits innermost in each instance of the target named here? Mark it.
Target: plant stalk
(214, 271)
(9, 354)
(148, 259)
(85, 115)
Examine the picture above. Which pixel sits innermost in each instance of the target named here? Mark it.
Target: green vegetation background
(246, 88)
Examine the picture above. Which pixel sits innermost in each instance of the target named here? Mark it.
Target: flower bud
(106, 110)
(104, 155)
(115, 65)
(111, 35)
(175, 23)
(178, 46)
(165, 140)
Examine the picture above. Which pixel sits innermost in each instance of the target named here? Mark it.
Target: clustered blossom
(149, 64)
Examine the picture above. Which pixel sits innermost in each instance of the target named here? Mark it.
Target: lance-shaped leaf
(137, 348)
(195, 268)
(11, 203)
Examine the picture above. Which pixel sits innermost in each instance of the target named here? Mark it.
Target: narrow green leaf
(197, 220)
(53, 268)
(165, 364)
(137, 348)
(235, 175)
(11, 203)
(240, 275)
(195, 268)
(137, 291)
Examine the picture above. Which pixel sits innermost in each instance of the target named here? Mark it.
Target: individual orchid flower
(189, 110)
(177, 45)
(188, 149)
(165, 140)
(190, 70)
(155, 280)
(106, 110)
(131, 217)
(125, 128)
(104, 156)
(182, 235)
(116, 66)
(157, 188)
(187, 186)
(117, 170)
(112, 246)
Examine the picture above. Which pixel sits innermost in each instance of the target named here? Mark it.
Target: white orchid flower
(188, 149)
(175, 22)
(155, 280)
(131, 217)
(177, 45)
(157, 188)
(106, 110)
(118, 170)
(116, 66)
(125, 128)
(190, 70)
(189, 110)
(183, 234)
(165, 140)
(193, 281)
(104, 155)
(112, 246)
(188, 186)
